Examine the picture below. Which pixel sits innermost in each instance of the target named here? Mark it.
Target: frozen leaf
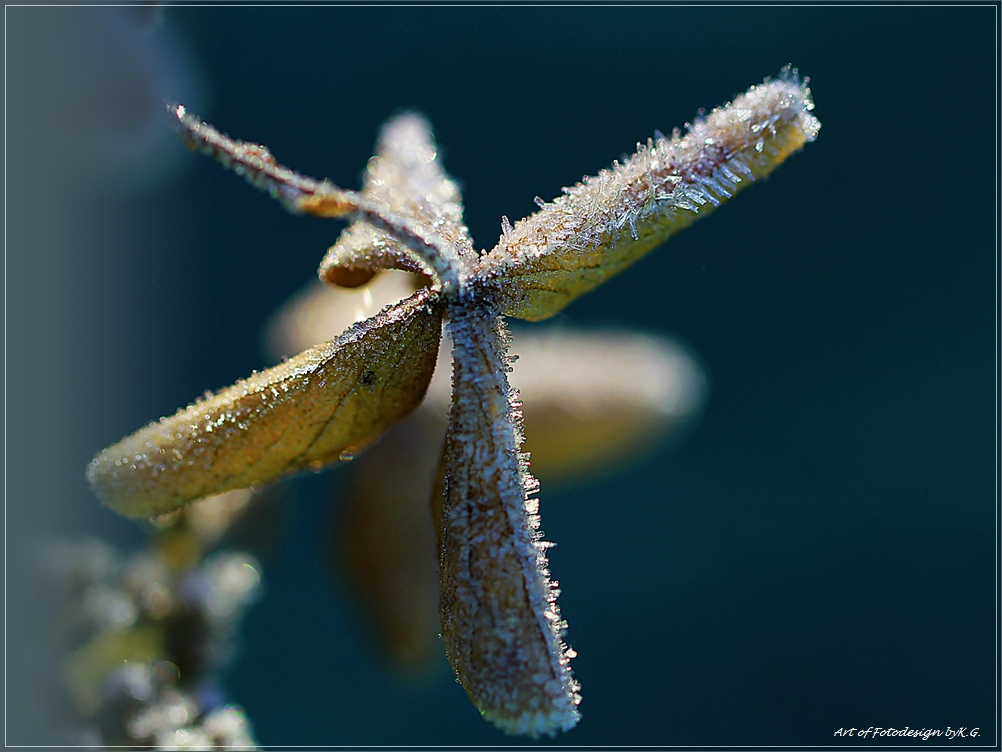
(500, 622)
(430, 254)
(604, 224)
(406, 175)
(301, 414)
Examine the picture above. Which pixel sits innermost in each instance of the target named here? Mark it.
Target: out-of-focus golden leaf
(187, 533)
(385, 542)
(301, 414)
(319, 312)
(592, 400)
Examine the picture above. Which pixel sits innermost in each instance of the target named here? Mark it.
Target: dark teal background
(822, 550)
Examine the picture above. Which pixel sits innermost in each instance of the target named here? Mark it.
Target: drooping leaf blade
(500, 622)
(299, 415)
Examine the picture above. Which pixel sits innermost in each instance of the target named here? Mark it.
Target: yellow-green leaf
(87, 669)
(301, 414)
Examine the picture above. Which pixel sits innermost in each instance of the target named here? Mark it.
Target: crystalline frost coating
(407, 175)
(605, 223)
(500, 620)
(289, 418)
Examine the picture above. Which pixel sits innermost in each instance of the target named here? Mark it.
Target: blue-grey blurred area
(821, 551)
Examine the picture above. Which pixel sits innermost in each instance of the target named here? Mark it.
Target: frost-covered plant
(592, 401)
(148, 634)
(502, 629)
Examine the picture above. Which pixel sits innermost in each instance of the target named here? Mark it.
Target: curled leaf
(301, 414)
(604, 224)
(407, 177)
(430, 254)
